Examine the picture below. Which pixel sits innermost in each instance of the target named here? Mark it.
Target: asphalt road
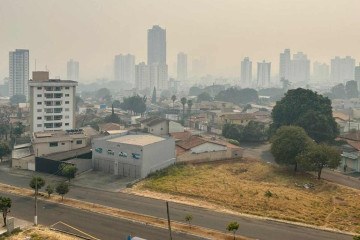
(96, 225)
(249, 227)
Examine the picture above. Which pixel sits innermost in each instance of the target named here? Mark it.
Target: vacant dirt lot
(254, 187)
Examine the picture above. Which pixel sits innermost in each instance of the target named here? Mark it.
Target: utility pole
(36, 190)
(168, 217)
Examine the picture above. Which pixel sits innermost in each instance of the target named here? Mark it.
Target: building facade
(300, 68)
(263, 73)
(73, 70)
(52, 103)
(19, 72)
(357, 75)
(124, 68)
(321, 72)
(182, 70)
(342, 69)
(246, 72)
(285, 65)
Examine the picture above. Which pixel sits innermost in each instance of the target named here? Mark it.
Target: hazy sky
(221, 32)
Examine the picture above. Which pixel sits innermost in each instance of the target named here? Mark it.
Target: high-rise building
(52, 103)
(285, 65)
(19, 72)
(156, 46)
(182, 67)
(321, 72)
(357, 75)
(246, 72)
(73, 70)
(142, 76)
(124, 68)
(342, 69)
(300, 68)
(263, 73)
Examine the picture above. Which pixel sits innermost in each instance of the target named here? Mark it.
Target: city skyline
(94, 43)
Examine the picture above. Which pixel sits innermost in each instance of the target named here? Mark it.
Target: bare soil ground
(40, 233)
(253, 187)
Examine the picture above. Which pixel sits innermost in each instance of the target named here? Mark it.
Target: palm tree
(183, 102)
(173, 98)
(189, 103)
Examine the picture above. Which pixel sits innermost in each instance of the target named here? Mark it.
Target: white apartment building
(342, 69)
(52, 103)
(19, 72)
(124, 68)
(285, 65)
(182, 67)
(263, 73)
(73, 70)
(246, 72)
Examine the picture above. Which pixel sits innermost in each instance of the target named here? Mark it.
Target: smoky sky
(218, 32)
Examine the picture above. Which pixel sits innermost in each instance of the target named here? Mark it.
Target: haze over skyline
(220, 32)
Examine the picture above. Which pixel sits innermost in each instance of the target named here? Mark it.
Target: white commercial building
(182, 71)
(246, 72)
(19, 72)
(52, 103)
(73, 70)
(132, 155)
(263, 73)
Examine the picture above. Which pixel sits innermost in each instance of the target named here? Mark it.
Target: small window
(39, 88)
(67, 109)
(39, 125)
(67, 102)
(123, 154)
(62, 143)
(67, 95)
(78, 141)
(53, 144)
(39, 118)
(38, 103)
(99, 150)
(66, 124)
(67, 87)
(161, 129)
(39, 95)
(110, 152)
(135, 156)
(39, 110)
(66, 116)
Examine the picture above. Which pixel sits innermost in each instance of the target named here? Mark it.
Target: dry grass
(252, 187)
(40, 233)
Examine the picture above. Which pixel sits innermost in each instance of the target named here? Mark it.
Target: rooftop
(138, 140)
(57, 136)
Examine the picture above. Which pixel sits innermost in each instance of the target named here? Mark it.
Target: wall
(210, 156)
(208, 147)
(44, 148)
(175, 127)
(159, 129)
(158, 156)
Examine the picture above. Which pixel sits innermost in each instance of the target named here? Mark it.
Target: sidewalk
(346, 179)
(18, 223)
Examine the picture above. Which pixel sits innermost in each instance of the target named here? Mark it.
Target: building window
(38, 103)
(67, 87)
(39, 95)
(67, 95)
(110, 152)
(39, 125)
(62, 143)
(39, 88)
(78, 141)
(66, 116)
(66, 124)
(53, 144)
(123, 154)
(39, 110)
(67, 109)
(38, 118)
(67, 102)
(99, 150)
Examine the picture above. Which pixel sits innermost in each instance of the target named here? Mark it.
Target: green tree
(49, 189)
(62, 189)
(338, 91)
(299, 107)
(103, 95)
(39, 181)
(254, 132)
(4, 130)
(204, 96)
(116, 104)
(319, 156)
(5, 205)
(16, 99)
(18, 129)
(288, 143)
(351, 88)
(356, 237)
(4, 150)
(183, 101)
(78, 102)
(194, 91)
(233, 227)
(112, 118)
(68, 170)
(153, 98)
(238, 96)
(134, 104)
(188, 219)
(173, 99)
(190, 104)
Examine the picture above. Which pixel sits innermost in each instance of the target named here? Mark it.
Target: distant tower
(142, 77)
(73, 70)
(263, 73)
(321, 72)
(19, 72)
(182, 67)
(124, 68)
(300, 68)
(285, 65)
(357, 75)
(246, 72)
(342, 69)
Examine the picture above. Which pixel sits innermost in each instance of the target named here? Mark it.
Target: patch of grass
(253, 187)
